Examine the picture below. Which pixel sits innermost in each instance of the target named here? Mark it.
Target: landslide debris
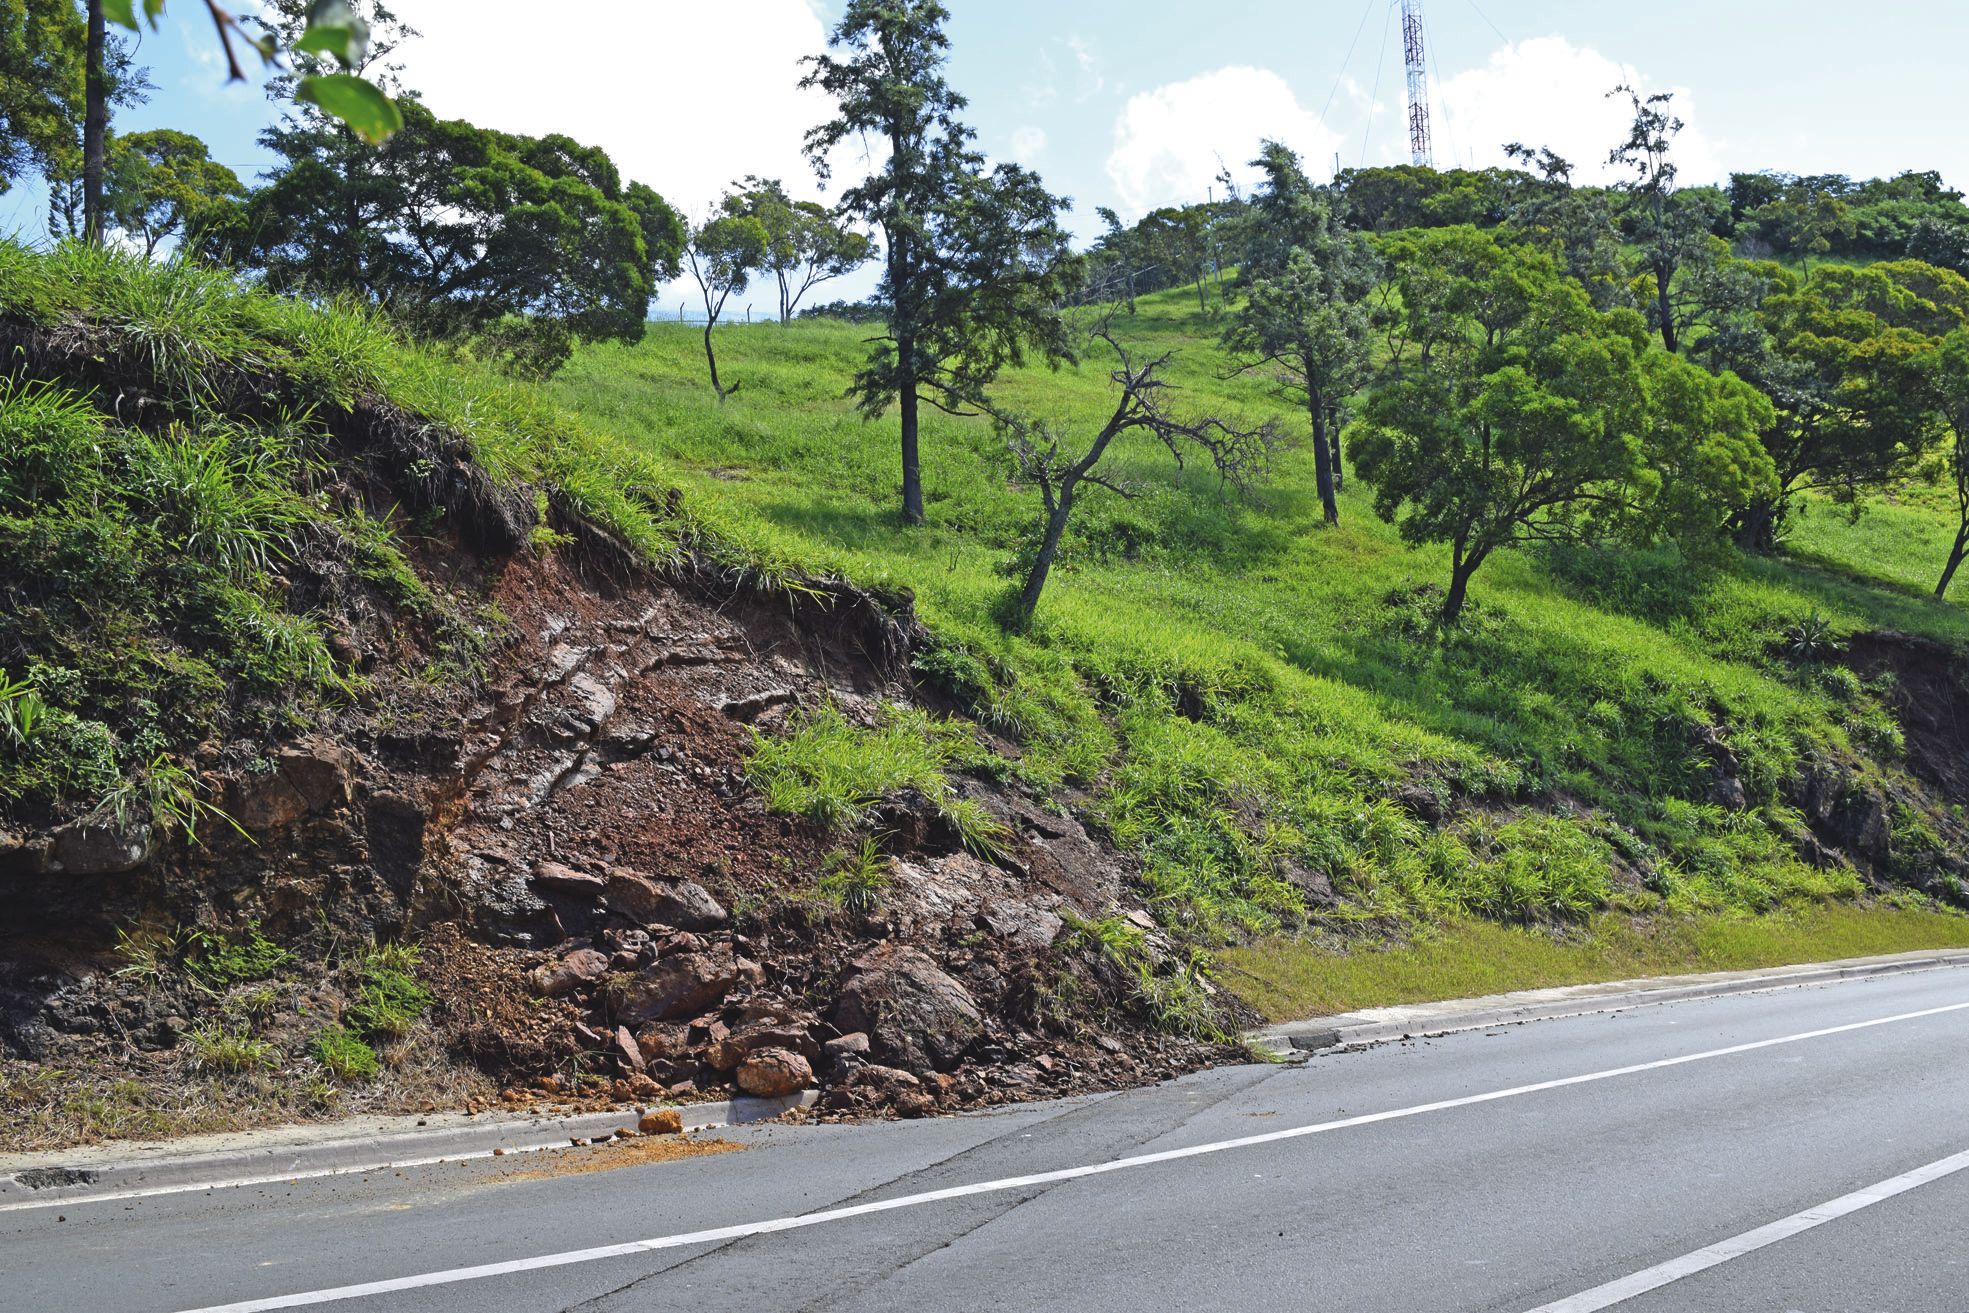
(430, 786)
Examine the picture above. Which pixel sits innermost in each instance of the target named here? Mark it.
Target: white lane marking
(282, 1178)
(454, 1275)
(1653, 1278)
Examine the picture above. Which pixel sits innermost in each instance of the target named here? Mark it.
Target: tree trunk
(95, 127)
(1339, 466)
(711, 358)
(1203, 306)
(1042, 565)
(1462, 566)
(1956, 553)
(1757, 528)
(1664, 309)
(912, 469)
(1323, 459)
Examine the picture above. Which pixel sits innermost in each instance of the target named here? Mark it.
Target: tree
(1534, 417)
(805, 246)
(1949, 370)
(41, 86)
(1304, 284)
(1671, 231)
(526, 243)
(975, 263)
(723, 253)
(1143, 406)
(1180, 240)
(1841, 353)
(164, 184)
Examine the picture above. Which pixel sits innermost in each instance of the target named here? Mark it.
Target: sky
(1138, 103)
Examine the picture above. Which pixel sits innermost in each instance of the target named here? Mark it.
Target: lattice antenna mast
(1423, 156)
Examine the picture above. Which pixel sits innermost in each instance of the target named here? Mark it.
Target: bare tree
(1240, 456)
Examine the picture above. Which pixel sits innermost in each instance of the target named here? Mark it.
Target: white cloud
(1170, 143)
(686, 126)
(1028, 144)
(1548, 92)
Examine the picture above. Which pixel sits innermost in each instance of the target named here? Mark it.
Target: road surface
(1798, 1150)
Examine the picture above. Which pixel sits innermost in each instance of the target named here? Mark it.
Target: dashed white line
(453, 1276)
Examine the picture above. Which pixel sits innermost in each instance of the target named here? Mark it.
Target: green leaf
(121, 12)
(334, 28)
(371, 114)
(152, 10)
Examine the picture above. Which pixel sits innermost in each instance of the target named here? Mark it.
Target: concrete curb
(105, 1172)
(1357, 1030)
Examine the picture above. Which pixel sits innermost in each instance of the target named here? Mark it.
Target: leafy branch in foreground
(333, 29)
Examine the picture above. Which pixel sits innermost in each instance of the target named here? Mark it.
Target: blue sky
(1131, 103)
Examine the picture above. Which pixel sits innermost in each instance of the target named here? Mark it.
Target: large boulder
(774, 1073)
(681, 984)
(584, 966)
(916, 1017)
(307, 778)
(99, 848)
(680, 903)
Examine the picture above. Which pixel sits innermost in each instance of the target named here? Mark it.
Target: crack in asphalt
(914, 1251)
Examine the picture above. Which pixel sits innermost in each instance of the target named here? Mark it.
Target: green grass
(1243, 687)
(346, 1055)
(1466, 958)
(1237, 694)
(388, 998)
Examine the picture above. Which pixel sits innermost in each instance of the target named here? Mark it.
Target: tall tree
(723, 252)
(42, 48)
(95, 122)
(1304, 318)
(805, 245)
(1671, 231)
(975, 262)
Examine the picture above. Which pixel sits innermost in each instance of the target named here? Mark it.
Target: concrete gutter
(1356, 1030)
(290, 1153)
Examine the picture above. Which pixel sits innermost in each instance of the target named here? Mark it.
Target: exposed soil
(606, 910)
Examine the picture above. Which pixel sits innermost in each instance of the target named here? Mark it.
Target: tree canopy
(164, 184)
(461, 229)
(1526, 415)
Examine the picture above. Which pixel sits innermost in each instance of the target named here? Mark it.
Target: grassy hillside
(1255, 702)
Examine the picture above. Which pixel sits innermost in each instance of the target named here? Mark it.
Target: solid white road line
(455, 1275)
(1653, 1278)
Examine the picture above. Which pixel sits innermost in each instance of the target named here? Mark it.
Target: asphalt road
(1567, 1166)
